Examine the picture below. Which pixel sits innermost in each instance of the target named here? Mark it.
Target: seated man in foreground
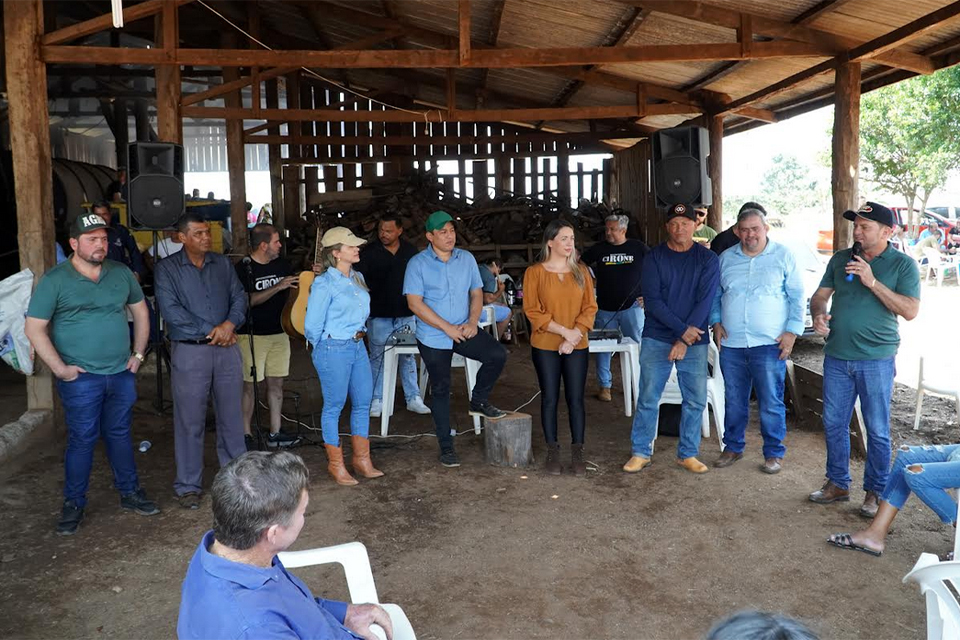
(236, 587)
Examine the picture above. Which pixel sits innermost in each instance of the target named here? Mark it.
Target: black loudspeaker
(680, 167)
(154, 185)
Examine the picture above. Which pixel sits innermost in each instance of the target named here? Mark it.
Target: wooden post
(273, 160)
(236, 163)
(715, 171)
(121, 130)
(167, 77)
(29, 124)
(846, 151)
(563, 176)
(290, 175)
(503, 174)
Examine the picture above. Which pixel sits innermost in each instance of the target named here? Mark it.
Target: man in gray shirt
(202, 301)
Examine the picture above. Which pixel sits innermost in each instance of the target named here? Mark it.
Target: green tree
(910, 137)
(787, 185)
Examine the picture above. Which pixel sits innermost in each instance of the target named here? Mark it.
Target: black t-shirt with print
(617, 268)
(266, 316)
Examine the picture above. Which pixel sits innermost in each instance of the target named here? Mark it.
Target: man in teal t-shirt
(870, 290)
(77, 323)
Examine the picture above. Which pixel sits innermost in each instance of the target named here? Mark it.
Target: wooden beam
(427, 58)
(104, 22)
(236, 164)
(29, 127)
(167, 77)
(879, 46)
(463, 15)
(846, 151)
(492, 39)
(272, 95)
(227, 87)
(437, 115)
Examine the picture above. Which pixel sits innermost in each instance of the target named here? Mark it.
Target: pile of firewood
(504, 219)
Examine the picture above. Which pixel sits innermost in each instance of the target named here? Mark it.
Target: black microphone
(855, 251)
(248, 259)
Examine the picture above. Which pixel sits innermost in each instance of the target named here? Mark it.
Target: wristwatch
(139, 356)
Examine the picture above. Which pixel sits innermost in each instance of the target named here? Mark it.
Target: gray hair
(747, 213)
(254, 492)
(755, 625)
(623, 221)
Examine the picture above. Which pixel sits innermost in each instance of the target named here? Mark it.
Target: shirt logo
(617, 258)
(266, 283)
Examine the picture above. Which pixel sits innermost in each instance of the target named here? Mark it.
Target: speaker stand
(158, 345)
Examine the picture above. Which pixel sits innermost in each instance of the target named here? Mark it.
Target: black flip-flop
(845, 541)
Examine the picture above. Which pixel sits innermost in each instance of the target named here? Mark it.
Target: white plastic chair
(356, 565)
(936, 579)
(470, 369)
(715, 394)
(941, 383)
(939, 265)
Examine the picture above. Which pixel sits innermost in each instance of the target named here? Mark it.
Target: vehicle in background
(950, 213)
(812, 266)
(927, 219)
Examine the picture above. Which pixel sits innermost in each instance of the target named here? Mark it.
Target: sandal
(189, 500)
(845, 541)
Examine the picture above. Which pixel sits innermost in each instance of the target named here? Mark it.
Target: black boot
(576, 460)
(553, 460)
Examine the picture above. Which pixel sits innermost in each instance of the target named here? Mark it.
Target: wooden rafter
(400, 141)
(788, 31)
(104, 22)
(818, 10)
(492, 40)
(864, 51)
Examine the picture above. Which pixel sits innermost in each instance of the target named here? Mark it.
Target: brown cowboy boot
(335, 466)
(362, 464)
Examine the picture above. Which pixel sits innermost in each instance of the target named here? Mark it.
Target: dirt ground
(485, 552)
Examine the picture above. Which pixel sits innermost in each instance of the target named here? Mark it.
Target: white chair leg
(916, 416)
(424, 379)
(958, 407)
(625, 378)
(390, 362)
(705, 422)
(470, 369)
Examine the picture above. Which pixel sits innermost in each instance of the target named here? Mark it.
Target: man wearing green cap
(444, 291)
(75, 305)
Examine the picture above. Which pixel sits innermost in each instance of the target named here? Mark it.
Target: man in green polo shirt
(77, 324)
(870, 291)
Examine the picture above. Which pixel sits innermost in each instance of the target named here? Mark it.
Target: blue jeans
(654, 371)
(98, 406)
(343, 367)
(630, 323)
(930, 484)
(379, 331)
(843, 381)
(762, 369)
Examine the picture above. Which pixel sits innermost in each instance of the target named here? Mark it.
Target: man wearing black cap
(76, 304)
(679, 281)
(869, 291)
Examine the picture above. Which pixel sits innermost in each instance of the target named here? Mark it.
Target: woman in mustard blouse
(559, 302)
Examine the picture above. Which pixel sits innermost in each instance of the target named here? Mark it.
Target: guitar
(294, 313)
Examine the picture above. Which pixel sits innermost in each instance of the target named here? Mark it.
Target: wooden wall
(631, 188)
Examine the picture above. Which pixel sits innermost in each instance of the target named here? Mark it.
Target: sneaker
(70, 519)
(449, 459)
(376, 408)
(416, 406)
(282, 440)
(138, 502)
(486, 410)
(250, 441)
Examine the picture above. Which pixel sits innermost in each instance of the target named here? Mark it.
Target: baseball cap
(437, 219)
(682, 210)
(872, 211)
(341, 235)
(85, 223)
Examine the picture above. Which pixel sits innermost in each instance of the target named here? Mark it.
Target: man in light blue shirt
(444, 291)
(757, 315)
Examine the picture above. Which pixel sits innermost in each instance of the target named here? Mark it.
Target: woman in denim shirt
(337, 312)
(929, 471)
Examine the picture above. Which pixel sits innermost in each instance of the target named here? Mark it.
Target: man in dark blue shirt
(122, 247)
(236, 586)
(202, 302)
(679, 280)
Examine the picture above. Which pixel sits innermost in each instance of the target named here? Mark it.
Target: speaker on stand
(680, 167)
(155, 203)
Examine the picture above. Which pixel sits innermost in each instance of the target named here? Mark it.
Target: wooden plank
(715, 171)
(236, 165)
(463, 15)
(820, 9)
(291, 197)
(29, 130)
(876, 47)
(167, 78)
(234, 85)
(536, 137)
(104, 22)
(429, 58)
(274, 163)
(846, 151)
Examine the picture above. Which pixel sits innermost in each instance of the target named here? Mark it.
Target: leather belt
(203, 341)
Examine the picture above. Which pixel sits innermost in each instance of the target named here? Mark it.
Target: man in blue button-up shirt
(203, 302)
(444, 291)
(757, 315)
(236, 586)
